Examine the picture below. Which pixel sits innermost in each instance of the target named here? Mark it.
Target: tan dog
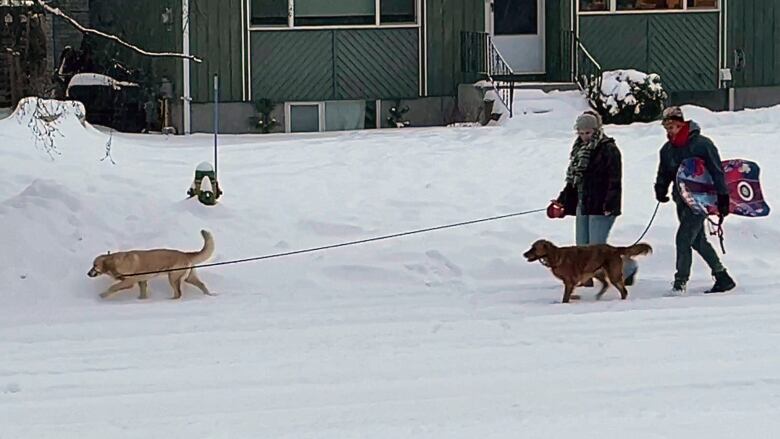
(121, 266)
(574, 265)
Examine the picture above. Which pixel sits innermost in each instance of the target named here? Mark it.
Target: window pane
(703, 4)
(594, 5)
(269, 12)
(623, 5)
(334, 12)
(398, 11)
(515, 17)
(304, 118)
(345, 115)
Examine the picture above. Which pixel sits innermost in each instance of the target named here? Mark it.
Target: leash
(652, 218)
(375, 239)
(716, 229)
(343, 244)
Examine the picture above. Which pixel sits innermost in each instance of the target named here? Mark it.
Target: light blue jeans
(594, 229)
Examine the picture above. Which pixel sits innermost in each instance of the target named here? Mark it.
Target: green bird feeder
(205, 185)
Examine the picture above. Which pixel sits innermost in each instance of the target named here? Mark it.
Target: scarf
(579, 159)
(681, 139)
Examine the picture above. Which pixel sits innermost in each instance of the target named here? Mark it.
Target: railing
(480, 57)
(585, 71)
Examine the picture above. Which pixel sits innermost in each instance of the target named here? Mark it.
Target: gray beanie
(587, 121)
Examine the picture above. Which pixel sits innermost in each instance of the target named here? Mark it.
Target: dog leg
(615, 275)
(174, 279)
(569, 288)
(193, 279)
(604, 285)
(143, 286)
(122, 285)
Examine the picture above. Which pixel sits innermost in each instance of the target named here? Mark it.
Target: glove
(723, 204)
(660, 194)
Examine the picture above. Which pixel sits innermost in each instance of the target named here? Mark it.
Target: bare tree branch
(58, 12)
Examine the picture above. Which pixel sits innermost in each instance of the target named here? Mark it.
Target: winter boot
(679, 288)
(723, 283)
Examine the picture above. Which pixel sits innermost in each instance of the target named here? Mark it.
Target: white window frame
(613, 10)
(377, 20)
(288, 111)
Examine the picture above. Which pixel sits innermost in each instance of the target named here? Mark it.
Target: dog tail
(205, 253)
(636, 250)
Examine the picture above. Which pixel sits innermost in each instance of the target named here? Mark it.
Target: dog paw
(104, 295)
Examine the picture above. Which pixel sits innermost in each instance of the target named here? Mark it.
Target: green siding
(335, 64)
(682, 48)
(363, 72)
(754, 28)
(292, 65)
(444, 23)
(216, 28)
(692, 65)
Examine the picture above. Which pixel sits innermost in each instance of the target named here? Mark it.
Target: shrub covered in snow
(626, 96)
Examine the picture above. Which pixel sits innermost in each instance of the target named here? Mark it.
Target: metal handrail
(585, 70)
(480, 56)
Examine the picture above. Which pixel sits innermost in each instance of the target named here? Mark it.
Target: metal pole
(186, 99)
(216, 121)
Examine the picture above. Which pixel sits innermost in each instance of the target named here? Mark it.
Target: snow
(205, 184)
(89, 79)
(618, 87)
(205, 167)
(449, 334)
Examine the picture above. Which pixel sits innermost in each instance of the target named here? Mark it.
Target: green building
(342, 64)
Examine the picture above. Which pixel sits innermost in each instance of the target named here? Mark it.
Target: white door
(518, 32)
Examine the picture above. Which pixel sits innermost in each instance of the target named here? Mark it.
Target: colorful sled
(698, 191)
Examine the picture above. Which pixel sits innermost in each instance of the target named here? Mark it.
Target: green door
(754, 52)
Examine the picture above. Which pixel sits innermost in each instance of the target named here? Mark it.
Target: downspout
(187, 98)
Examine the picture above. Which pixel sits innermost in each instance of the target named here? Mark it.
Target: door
(518, 33)
(753, 52)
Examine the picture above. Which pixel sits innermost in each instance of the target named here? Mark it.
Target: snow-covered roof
(88, 79)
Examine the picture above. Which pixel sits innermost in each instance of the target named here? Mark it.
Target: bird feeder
(205, 185)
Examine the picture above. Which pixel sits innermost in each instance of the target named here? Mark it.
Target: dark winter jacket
(601, 183)
(697, 146)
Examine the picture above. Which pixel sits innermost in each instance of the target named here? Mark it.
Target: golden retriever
(123, 265)
(574, 265)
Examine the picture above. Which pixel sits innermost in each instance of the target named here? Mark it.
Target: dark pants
(692, 236)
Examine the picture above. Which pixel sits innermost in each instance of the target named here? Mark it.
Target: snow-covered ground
(444, 335)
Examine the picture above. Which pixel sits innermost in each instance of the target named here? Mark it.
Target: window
(345, 115)
(594, 5)
(334, 12)
(702, 4)
(629, 5)
(398, 11)
(269, 12)
(516, 17)
(304, 118)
